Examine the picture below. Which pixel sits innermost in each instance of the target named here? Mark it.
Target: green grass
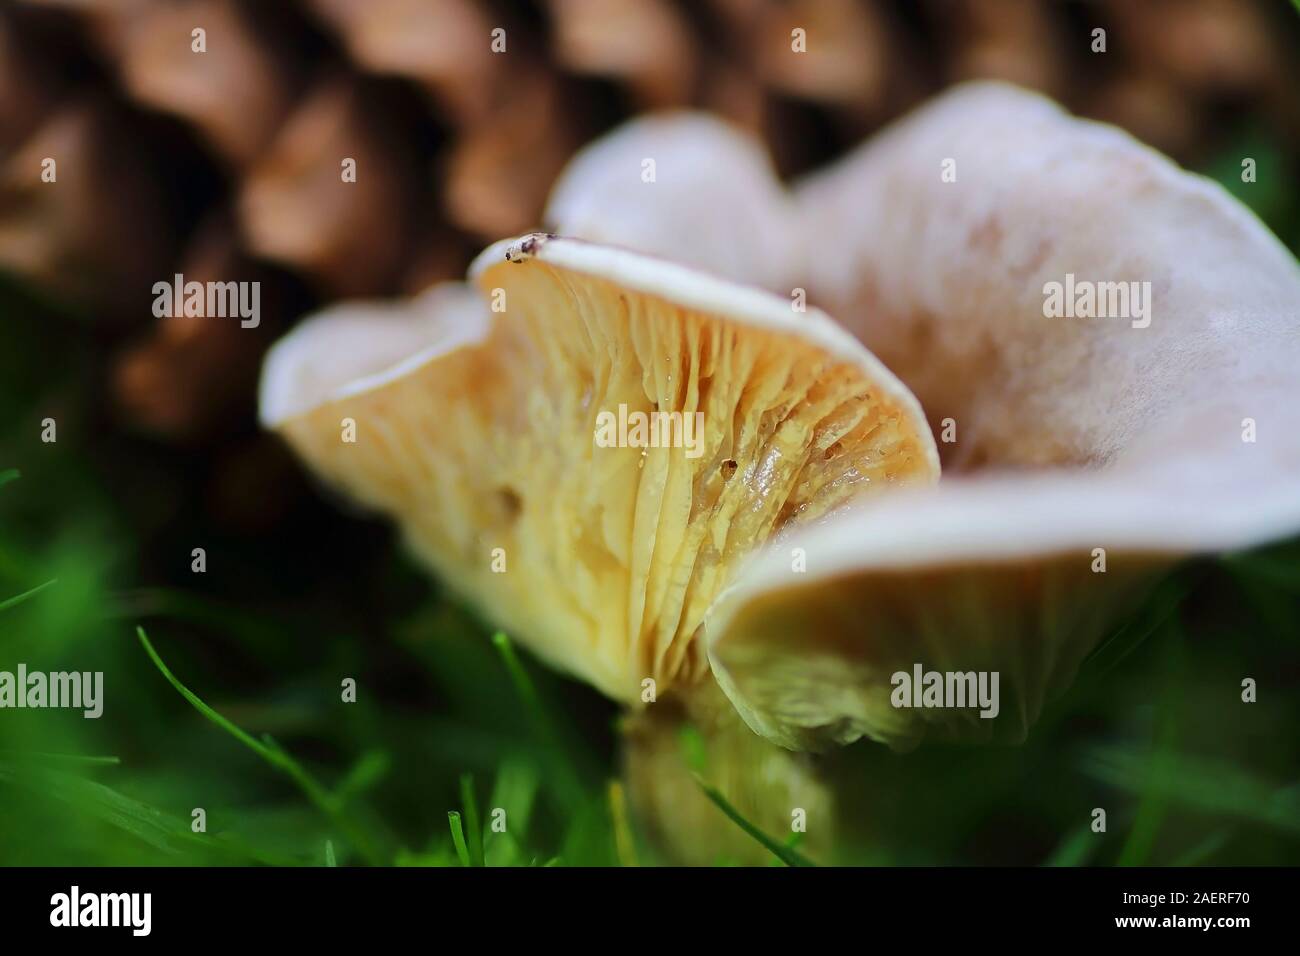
(786, 854)
(454, 723)
(331, 805)
(26, 595)
(458, 838)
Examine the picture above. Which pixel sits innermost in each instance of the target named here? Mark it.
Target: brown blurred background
(226, 164)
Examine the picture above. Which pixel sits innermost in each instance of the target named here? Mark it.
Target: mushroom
(590, 450)
(1083, 456)
(687, 187)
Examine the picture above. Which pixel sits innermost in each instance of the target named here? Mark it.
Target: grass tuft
(275, 755)
(624, 844)
(458, 838)
(786, 854)
(469, 804)
(572, 789)
(26, 595)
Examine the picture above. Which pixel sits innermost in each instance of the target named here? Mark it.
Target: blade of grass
(1154, 804)
(469, 804)
(329, 854)
(784, 853)
(694, 750)
(458, 837)
(624, 844)
(1074, 850)
(568, 783)
(515, 787)
(1205, 849)
(1206, 786)
(1156, 611)
(365, 773)
(274, 755)
(20, 598)
(8, 475)
(160, 830)
(36, 758)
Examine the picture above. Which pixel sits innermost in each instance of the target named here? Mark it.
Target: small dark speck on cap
(527, 246)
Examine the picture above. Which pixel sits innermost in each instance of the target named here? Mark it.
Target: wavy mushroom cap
(948, 282)
(590, 459)
(1110, 446)
(688, 187)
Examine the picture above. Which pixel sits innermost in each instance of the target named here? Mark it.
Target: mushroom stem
(684, 742)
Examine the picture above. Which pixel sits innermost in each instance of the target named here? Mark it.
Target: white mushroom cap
(714, 201)
(1103, 442)
(946, 282)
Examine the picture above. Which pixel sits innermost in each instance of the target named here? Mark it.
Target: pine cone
(458, 114)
